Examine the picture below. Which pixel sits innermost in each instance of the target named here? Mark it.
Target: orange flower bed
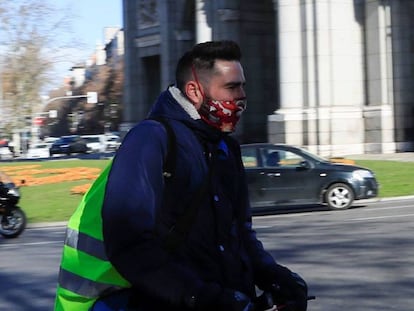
(342, 160)
(33, 175)
(81, 189)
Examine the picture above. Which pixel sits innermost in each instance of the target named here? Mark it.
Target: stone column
(203, 29)
(379, 112)
(131, 94)
(321, 77)
(286, 126)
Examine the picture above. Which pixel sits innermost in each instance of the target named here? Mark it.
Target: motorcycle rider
(218, 263)
(12, 217)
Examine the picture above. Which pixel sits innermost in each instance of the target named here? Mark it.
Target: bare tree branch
(32, 34)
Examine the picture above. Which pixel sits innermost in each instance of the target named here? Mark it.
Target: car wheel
(339, 196)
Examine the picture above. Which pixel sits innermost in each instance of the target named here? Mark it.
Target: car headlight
(361, 174)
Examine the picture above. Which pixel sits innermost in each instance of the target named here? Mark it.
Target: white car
(112, 142)
(95, 143)
(5, 153)
(38, 150)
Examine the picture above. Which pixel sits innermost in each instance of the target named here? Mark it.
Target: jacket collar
(184, 103)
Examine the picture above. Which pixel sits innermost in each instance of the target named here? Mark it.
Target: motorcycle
(12, 218)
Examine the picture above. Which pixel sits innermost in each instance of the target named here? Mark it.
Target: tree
(32, 36)
(107, 81)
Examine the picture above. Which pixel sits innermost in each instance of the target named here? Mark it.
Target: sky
(89, 19)
(92, 16)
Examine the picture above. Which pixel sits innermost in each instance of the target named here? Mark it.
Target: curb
(373, 200)
(64, 223)
(46, 224)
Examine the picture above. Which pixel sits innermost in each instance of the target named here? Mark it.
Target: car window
(271, 158)
(92, 139)
(290, 159)
(68, 139)
(280, 158)
(40, 146)
(249, 157)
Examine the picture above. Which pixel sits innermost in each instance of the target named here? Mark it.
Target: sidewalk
(400, 156)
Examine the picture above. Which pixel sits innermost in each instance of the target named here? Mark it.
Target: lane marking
(30, 244)
(385, 208)
(378, 217)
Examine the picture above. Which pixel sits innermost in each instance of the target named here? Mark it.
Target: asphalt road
(360, 259)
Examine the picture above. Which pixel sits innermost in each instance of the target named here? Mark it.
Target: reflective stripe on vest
(85, 243)
(82, 286)
(85, 264)
(83, 276)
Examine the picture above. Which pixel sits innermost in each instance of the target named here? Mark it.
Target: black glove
(213, 297)
(289, 290)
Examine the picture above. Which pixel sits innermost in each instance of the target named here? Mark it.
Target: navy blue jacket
(221, 247)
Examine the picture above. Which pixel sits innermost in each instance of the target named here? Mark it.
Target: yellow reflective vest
(85, 272)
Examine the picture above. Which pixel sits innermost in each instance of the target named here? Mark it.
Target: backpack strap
(179, 231)
(171, 159)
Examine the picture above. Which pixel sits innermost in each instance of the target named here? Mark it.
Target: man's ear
(193, 93)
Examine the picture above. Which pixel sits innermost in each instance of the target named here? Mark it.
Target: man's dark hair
(202, 58)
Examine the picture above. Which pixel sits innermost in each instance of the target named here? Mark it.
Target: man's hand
(290, 291)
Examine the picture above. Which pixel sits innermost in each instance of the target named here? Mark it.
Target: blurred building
(77, 75)
(334, 76)
(108, 53)
(114, 42)
(100, 74)
(157, 33)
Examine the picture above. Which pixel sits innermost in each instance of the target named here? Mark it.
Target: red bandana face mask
(221, 114)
